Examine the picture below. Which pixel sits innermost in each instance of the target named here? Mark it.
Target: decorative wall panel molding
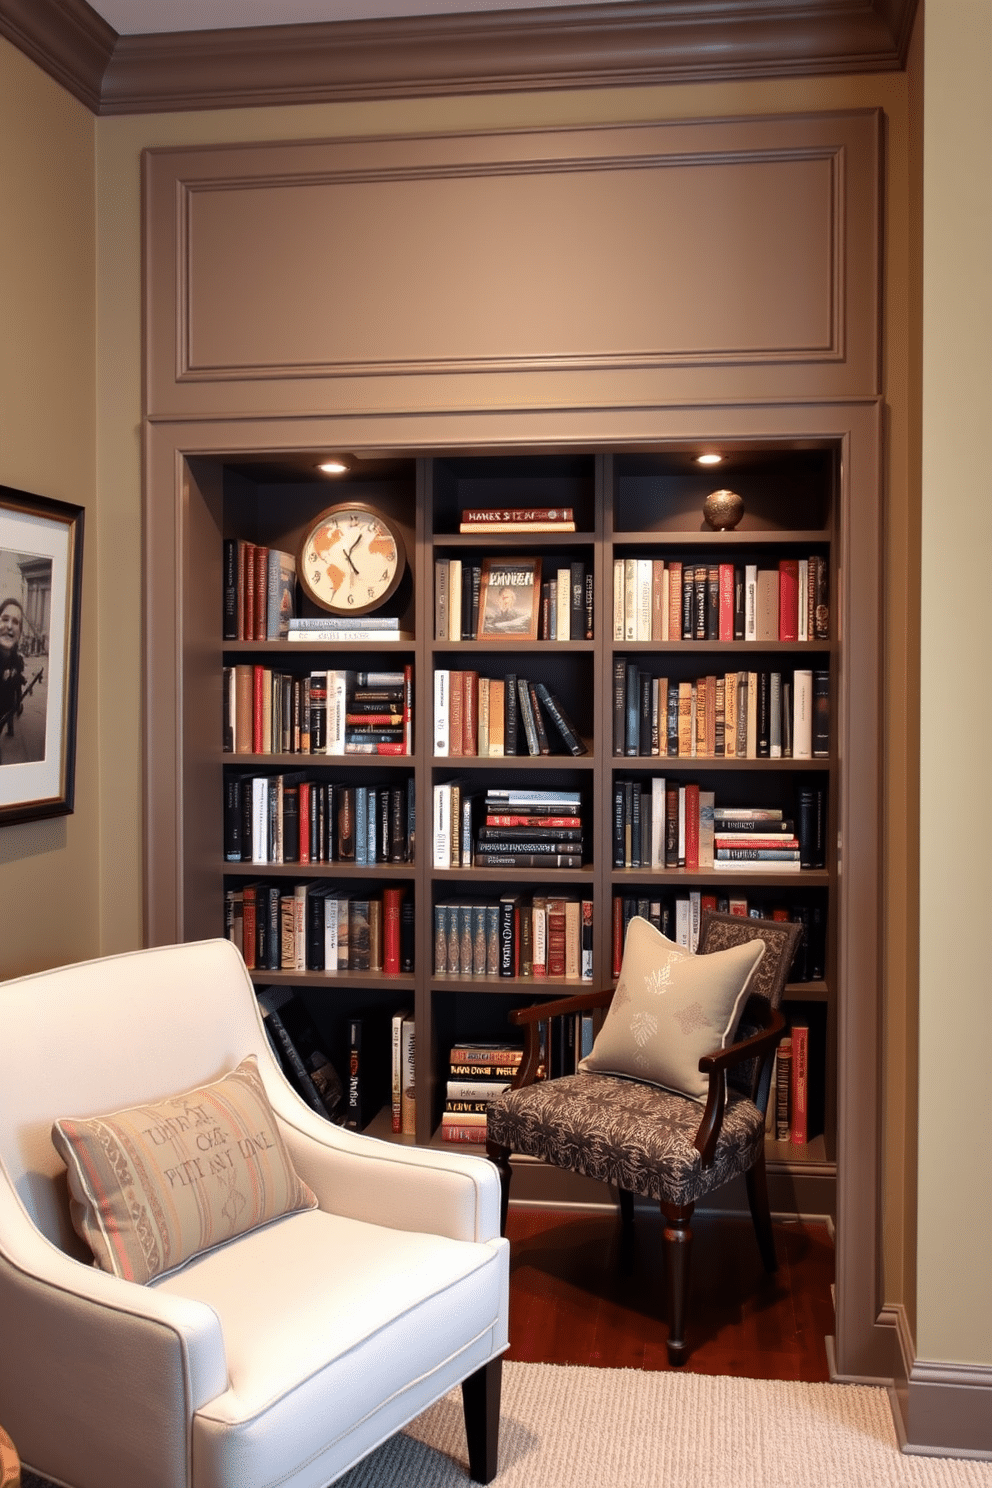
(705, 260)
(572, 46)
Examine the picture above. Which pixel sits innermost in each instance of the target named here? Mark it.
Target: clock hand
(349, 551)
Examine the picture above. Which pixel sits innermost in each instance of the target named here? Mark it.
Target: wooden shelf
(320, 870)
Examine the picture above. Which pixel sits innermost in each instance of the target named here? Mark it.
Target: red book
(533, 821)
(248, 593)
(788, 599)
(258, 711)
(726, 601)
(799, 1132)
(248, 925)
(707, 901)
(470, 713)
(260, 623)
(391, 901)
(304, 821)
(244, 563)
(692, 828)
(556, 937)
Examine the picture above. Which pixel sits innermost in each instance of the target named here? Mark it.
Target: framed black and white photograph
(41, 566)
(509, 599)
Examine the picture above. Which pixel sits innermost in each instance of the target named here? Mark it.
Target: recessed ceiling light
(708, 459)
(334, 465)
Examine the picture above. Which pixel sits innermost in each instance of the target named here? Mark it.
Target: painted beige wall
(48, 880)
(955, 1278)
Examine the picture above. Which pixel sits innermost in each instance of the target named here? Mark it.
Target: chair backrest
(717, 931)
(103, 1035)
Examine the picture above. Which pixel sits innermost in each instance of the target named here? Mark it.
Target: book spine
(799, 1122)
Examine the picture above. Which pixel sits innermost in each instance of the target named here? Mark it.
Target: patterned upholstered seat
(635, 1136)
(647, 1140)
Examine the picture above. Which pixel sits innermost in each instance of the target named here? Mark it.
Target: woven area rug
(624, 1428)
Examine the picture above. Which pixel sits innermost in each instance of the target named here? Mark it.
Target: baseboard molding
(939, 1410)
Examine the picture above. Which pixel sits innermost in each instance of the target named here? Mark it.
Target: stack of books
(530, 829)
(347, 629)
(754, 837)
(518, 519)
(478, 1074)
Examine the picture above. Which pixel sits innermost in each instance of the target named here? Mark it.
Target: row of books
(662, 823)
(514, 936)
(678, 917)
(731, 715)
(321, 927)
(796, 1101)
(478, 1074)
(694, 600)
(335, 711)
(500, 598)
(517, 519)
(289, 818)
(259, 591)
(506, 828)
(494, 716)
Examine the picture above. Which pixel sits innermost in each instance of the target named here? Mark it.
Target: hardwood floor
(574, 1299)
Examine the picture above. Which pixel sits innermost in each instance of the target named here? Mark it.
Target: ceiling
(150, 56)
(141, 17)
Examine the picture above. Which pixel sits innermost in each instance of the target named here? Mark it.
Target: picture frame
(509, 599)
(41, 569)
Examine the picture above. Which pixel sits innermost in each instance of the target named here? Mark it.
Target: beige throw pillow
(152, 1186)
(670, 1008)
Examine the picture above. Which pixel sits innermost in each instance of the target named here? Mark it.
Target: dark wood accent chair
(647, 1140)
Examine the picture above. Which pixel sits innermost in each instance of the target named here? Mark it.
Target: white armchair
(282, 1356)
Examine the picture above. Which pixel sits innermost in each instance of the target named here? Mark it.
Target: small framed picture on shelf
(509, 599)
(41, 564)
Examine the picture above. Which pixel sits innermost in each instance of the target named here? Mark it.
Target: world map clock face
(351, 561)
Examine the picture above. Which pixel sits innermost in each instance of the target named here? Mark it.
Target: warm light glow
(708, 459)
(334, 466)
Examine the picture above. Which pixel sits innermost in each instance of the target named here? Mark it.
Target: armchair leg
(756, 1180)
(626, 1208)
(501, 1157)
(678, 1250)
(480, 1399)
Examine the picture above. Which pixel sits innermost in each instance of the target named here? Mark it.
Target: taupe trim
(577, 46)
(939, 1410)
(66, 38)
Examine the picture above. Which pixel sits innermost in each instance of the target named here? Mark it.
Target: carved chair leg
(756, 1180)
(501, 1157)
(480, 1399)
(678, 1250)
(626, 1208)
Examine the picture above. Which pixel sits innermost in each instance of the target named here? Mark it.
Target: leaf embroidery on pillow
(620, 995)
(692, 1018)
(643, 1026)
(659, 979)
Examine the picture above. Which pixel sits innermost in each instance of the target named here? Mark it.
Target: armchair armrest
(759, 1046)
(531, 1017)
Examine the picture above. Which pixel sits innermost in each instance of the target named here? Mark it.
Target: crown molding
(569, 46)
(66, 38)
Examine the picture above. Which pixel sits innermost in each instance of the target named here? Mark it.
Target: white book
(630, 599)
(665, 591)
(802, 715)
(750, 601)
(442, 826)
(681, 823)
(260, 819)
(644, 599)
(803, 632)
(539, 934)
(442, 684)
(683, 925)
(619, 571)
(344, 904)
(408, 1091)
(337, 709)
(455, 599)
(397, 1071)
(331, 932)
(300, 925)
(658, 821)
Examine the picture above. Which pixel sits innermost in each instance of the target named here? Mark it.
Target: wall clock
(351, 559)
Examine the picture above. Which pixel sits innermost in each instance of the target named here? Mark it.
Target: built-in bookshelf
(683, 708)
